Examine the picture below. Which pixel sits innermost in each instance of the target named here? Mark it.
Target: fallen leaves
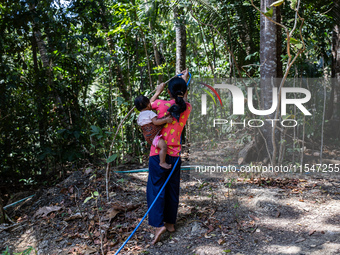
(211, 228)
(120, 206)
(284, 183)
(311, 232)
(84, 249)
(74, 217)
(221, 241)
(254, 217)
(44, 211)
(111, 214)
(300, 240)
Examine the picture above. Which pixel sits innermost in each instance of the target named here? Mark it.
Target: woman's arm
(161, 121)
(185, 75)
(159, 90)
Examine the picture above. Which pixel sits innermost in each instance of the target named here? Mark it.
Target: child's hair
(177, 87)
(141, 102)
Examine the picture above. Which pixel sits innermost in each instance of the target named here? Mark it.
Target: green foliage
(269, 12)
(6, 252)
(293, 4)
(94, 195)
(30, 250)
(69, 109)
(27, 251)
(277, 3)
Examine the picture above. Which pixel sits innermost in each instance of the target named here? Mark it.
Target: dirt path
(232, 214)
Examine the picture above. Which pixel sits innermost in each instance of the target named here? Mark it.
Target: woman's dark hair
(141, 102)
(177, 87)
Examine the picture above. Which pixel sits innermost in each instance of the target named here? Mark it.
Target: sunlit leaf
(87, 199)
(294, 41)
(269, 13)
(277, 3)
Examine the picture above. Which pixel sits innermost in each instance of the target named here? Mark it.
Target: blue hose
(173, 169)
(17, 202)
(121, 247)
(188, 80)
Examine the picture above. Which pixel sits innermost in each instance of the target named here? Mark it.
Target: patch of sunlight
(209, 250)
(25, 240)
(282, 249)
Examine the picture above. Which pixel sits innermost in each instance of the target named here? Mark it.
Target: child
(151, 126)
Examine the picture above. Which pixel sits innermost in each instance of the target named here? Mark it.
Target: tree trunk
(40, 42)
(120, 80)
(40, 87)
(279, 73)
(141, 88)
(157, 54)
(181, 39)
(147, 57)
(333, 111)
(2, 212)
(268, 60)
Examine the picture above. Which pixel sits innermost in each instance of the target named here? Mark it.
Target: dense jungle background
(70, 70)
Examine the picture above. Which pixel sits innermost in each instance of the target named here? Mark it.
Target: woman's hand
(169, 119)
(185, 74)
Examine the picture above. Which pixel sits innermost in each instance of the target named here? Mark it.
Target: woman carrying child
(151, 125)
(164, 212)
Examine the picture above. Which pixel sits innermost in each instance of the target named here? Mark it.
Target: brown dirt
(231, 214)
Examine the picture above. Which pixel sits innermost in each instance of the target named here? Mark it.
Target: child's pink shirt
(171, 133)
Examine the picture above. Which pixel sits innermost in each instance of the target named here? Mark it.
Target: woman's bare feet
(159, 232)
(170, 227)
(165, 165)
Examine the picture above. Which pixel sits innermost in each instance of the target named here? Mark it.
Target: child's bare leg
(162, 154)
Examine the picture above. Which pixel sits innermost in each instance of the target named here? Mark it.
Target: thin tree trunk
(110, 100)
(333, 111)
(2, 211)
(279, 73)
(323, 118)
(157, 55)
(204, 39)
(282, 146)
(268, 60)
(147, 58)
(139, 67)
(181, 41)
(192, 40)
(120, 80)
(41, 90)
(40, 42)
(323, 112)
(214, 56)
(303, 140)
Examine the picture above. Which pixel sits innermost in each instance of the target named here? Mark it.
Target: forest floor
(231, 214)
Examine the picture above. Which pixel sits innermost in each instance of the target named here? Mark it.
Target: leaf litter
(250, 215)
